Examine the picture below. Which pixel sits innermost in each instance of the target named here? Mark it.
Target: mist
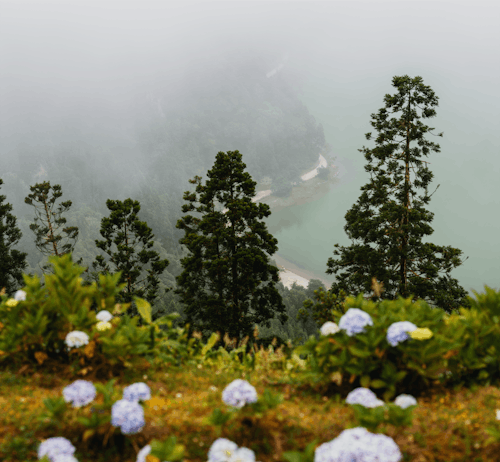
(90, 79)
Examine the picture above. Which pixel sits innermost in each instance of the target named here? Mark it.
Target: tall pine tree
(400, 260)
(223, 283)
(12, 261)
(125, 230)
(47, 238)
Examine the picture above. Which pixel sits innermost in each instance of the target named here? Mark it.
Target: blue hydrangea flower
(238, 393)
(128, 415)
(354, 321)
(137, 391)
(397, 332)
(79, 393)
(221, 450)
(405, 401)
(358, 445)
(54, 447)
(363, 396)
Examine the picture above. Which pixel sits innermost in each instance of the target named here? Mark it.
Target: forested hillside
(230, 105)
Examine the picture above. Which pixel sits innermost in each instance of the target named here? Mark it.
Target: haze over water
(74, 71)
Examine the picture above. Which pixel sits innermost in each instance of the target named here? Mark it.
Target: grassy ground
(448, 425)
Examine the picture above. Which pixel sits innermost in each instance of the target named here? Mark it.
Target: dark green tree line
(400, 261)
(221, 285)
(12, 261)
(125, 230)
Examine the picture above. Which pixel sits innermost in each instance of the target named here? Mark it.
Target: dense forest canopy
(229, 104)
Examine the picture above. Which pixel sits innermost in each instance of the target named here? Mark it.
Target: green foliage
(124, 229)
(326, 304)
(35, 329)
(12, 261)
(400, 260)
(47, 241)
(369, 360)
(221, 282)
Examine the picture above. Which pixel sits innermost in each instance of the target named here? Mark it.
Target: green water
(465, 206)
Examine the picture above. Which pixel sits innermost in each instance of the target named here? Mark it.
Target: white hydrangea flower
(358, 444)
(354, 321)
(128, 415)
(329, 328)
(397, 332)
(77, 339)
(221, 450)
(104, 316)
(54, 447)
(363, 396)
(20, 296)
(79, 393)
(405, 401)
(137, 391)
(238, 393)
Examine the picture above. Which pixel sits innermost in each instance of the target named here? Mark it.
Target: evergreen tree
(12, 262)
(222, 282)
(125, 230)
(47, 239)
(404, 264)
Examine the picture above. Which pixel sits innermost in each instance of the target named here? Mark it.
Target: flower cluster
(355, 320)
(78, 338)
(238, 393)
(129, 416)
(360, 445)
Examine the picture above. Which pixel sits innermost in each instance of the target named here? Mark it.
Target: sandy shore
(290, 273)
(311, 189)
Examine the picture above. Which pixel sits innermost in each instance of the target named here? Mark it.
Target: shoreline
(304, 193)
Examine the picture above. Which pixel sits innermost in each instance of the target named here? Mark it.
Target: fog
(82, 72)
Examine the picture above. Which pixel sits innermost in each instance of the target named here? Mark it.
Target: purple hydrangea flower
(137, 391)
(54, 447)
(238, 393)
(79, 393)
(354, 321)
(358, 445)
(363, 396)
(397, 332)
(128, 415)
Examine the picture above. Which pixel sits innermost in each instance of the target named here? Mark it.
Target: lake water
(465, 206)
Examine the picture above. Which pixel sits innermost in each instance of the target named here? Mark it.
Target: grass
(448, 425)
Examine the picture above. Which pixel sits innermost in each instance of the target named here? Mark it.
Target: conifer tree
(404, 265)
(222, 285)
(12, 261)
(47, 239)
(125, 230)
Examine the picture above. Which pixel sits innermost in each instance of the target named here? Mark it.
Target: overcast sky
(61, 60)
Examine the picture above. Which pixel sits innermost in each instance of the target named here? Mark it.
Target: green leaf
(377, 383)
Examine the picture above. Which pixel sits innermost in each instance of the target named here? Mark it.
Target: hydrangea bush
(390, 344)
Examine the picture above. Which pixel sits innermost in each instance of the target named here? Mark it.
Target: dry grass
(448, 425)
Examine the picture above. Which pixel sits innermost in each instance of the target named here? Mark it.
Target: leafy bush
(361, 348)
(37, 324)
